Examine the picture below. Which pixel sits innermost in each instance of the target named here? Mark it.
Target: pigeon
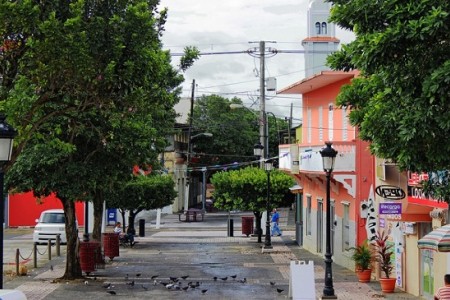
(224, 278)
(215, 278)
(144, 287)
(272, 283)
(51, 267)
(174, 279)
(185, 288)
(111, 292)
(131, 283)
(233, 276)
(107, 285)
(138, 274)
(279, 290)
(244, 280)
(154, 276)
(86, 282)
(204, 291)
(184, 277)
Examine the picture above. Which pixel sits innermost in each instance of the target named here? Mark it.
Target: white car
(50, 223)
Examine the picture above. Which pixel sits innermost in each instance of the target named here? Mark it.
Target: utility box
(271, 84)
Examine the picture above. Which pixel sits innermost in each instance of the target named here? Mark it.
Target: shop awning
(414, 213)
(437, 240)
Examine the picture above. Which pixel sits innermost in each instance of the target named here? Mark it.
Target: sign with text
(388, 208)
(390, 192)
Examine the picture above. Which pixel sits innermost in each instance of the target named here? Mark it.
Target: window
(308, 215)
(324, 28)
(346, 227)
(317, 27)
(330, 121)
(344, 123)
(320, 123)
(309, 116)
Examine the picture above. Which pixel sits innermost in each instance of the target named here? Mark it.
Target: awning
(437, 240)
(414, 213)
(296, 189)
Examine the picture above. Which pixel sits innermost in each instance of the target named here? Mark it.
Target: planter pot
(364, 275)
(387, 285)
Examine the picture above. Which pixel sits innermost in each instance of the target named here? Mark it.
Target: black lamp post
(258, 152)
(268, 165)
(7, 134)
(328, 156)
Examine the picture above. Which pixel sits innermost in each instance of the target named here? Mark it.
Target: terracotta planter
(364, 275)
(387, 285)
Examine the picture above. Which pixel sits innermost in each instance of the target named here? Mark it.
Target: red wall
(23, 209)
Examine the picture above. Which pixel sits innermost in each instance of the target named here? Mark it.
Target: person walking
(443, 293)
(275, 219)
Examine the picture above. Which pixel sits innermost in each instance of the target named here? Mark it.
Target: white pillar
(158, 218)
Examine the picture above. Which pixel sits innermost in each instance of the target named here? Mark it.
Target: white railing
(297, 158)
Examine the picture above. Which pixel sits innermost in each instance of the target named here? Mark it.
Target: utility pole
(262, 100)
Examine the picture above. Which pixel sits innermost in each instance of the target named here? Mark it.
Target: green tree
(90, 91)
(400, 102)
(246, 189)
(235, 131)
(143, 193)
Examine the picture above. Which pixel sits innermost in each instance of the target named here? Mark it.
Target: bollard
(141, 227)
(49, 249)
(58, 244)
(230, 228)
(35, 255)
(17, 261)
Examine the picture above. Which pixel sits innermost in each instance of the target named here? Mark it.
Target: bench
(191, 215)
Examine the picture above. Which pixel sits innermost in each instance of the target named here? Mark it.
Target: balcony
(296, 158)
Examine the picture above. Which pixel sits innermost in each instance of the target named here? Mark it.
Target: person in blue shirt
(275, 219)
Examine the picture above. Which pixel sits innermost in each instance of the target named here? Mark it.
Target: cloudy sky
(239, 25)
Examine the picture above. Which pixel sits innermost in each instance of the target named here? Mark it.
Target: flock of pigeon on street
(181, 283)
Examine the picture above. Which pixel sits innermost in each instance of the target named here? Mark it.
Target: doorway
(319, 225)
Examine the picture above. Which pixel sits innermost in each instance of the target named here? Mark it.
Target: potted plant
(362, 256)
(384, 259)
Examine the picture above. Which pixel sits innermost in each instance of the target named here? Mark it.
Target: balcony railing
(298, 158)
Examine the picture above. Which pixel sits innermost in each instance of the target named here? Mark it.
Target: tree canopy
(91, 92)
(234, 131)
(401, 101)
(246, 189)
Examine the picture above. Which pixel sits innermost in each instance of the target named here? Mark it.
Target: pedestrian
(443, 293)
(275, 219)
(118, 228)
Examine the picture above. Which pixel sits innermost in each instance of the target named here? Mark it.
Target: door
(319, 226)
(426, 266)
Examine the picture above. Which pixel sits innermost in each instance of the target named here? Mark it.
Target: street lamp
(7, 134)
(258, 151)
(268, 166)
(328, 156)
(188, 161)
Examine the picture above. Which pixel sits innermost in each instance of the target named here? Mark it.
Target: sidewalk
(203, 252)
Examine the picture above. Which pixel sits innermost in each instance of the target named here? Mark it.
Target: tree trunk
(98, 215)
(73, 267)
(122, 213)
(258, 229)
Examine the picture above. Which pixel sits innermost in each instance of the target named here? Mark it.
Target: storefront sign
(389, 208)
(390, 192)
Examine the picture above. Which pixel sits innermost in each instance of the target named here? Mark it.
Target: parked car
(50, 223)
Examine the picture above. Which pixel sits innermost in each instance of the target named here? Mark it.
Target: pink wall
(23, 209)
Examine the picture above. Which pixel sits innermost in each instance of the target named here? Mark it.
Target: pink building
(353, 175)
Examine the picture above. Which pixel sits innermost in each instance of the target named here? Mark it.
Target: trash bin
(87, 256)
(247, 225)
(141, 227)
(111, 244)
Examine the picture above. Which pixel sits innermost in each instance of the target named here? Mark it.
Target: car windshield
(53, 218)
